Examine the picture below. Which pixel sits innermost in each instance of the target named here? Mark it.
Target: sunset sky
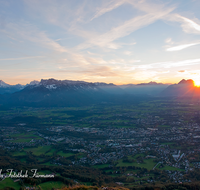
(117, 41)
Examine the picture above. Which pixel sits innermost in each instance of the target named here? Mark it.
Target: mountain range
(6, 88)
(52, 92)
(185, 88)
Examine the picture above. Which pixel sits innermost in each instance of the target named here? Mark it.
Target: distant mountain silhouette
(151, 83)
(7, 88)
(151, 88)
(53, 92)
(187, 82)
(185, 88)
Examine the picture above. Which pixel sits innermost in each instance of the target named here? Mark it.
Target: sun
(197, 83)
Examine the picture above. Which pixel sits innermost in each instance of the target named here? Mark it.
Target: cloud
(181, 71)
(61, 39)
(147, 6)
(127, 52)
(169, 41)
(188, 25)
(146, 75)
(93, 70)
(109, 6)
(170, 64)
(134, 61)
(127, 44)
(125, 29)
(28, 32)
(69, 15)
(181, 47)
(72, 17)
(49, 10)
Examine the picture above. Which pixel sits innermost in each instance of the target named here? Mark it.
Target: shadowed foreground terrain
(150, 187)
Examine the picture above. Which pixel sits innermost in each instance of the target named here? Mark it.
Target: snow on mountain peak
(3, 84)
(51, 86)
(35, 82)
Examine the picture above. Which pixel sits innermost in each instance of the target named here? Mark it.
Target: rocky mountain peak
(3, 84)
(189, 81)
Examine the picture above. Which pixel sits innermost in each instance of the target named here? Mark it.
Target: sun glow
(197, 83)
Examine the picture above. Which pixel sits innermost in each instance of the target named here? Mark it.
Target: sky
(112, 41)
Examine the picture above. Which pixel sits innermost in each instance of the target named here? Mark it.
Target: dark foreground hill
(169, 186)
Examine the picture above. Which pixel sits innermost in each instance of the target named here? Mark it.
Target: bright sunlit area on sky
(112, 41)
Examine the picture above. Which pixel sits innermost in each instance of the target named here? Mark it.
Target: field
(168, 168)
(51, 152)
(39, 150)
(101, 166)
(61, 153)
(24, 137)
(148, 164)
(19, 153)
(50, 185)
(9, 183)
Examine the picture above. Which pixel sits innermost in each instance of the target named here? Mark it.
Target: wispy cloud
(169, 41)
(181, 47)
(170, 64)
(146, 75)
(127, 52)
(134, 61)
(127, 44)
(61, 39)
(109, 6)
(148, 6)
(182, 71)
(62, 16)
(188, 25)
(29, 32)
(94, 71)
(125, 29)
